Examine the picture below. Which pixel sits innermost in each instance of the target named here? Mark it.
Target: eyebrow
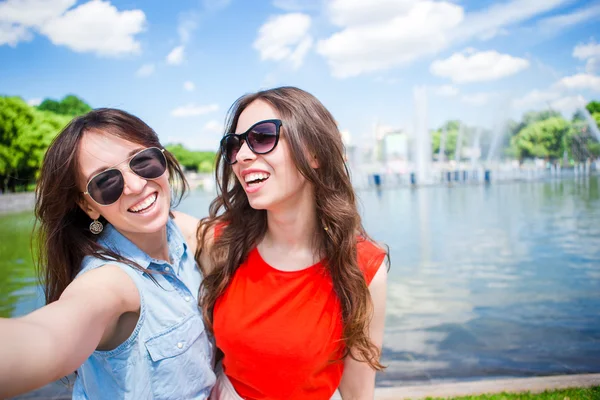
(102, 169)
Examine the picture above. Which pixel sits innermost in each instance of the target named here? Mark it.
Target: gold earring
(96, 227)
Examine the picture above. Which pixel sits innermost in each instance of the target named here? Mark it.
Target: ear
(314, 163)
(87, 208)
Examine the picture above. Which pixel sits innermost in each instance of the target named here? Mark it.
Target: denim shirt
(168, 355)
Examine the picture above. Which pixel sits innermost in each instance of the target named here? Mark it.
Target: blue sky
(180, 64)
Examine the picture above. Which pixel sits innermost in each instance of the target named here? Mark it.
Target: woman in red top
(294, 289)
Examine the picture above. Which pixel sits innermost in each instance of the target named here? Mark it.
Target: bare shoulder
(189, 227)
(109, 282)
(379, 281)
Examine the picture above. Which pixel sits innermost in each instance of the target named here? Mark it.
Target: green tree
(546, 139)
(15, 117)
(452, 128)
(593, 107)
(70, 105)
(25, 134)
(198, 161)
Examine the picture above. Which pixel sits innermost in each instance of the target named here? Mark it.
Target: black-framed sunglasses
(106, 187)
(262, 138)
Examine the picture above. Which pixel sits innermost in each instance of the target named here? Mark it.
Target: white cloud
(360, 12)
(477, 99)
(568, 104)
(382, 34)
(297, 57)
(188, 23)
(478, 67)
(33, 13)
(558, 96)
(590, 53)
(360, 48)
(34, 102)
(551, 99)
(213, 126)
(535, 98)
(285, 38)
(193, 110)
(175, 57)
(145, 70)
(446, 91)
(97, 26)
(585, 51)
(12, 34)
(577, 17)
(19, 18)
(580, 82)
(492, 21)
(189, 86)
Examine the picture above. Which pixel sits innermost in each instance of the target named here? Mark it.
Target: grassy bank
(592, 393)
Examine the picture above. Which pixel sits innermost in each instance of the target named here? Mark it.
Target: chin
(258, 204)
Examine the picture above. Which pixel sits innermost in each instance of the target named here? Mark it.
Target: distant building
(393, 150)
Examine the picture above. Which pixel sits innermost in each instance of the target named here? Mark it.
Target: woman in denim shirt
(121, 281)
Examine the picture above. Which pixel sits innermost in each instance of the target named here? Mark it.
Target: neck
(154, 244)
(293, 226)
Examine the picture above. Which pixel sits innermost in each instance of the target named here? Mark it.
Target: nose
(245, 154)
(133, 183)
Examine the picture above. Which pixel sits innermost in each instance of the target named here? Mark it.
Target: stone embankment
(16, 202)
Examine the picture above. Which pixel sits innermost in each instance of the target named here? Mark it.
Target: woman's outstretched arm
(55, 340)
(358, 380)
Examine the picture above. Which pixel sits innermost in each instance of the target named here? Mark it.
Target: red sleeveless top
(281, 332)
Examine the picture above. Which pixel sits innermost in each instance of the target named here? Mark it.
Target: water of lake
(486, 281)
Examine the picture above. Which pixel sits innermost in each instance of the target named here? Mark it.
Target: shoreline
(56, 391)
(492, 386)
(12, 203)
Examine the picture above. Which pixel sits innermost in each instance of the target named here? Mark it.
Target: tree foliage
(25, 134)
(198, 161)
(452, 129)
(546, 138)
(548, 135)
(70, 105)
(593, 107)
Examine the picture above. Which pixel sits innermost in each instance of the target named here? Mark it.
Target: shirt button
(179, 345)
(167, 269)
(187, 298)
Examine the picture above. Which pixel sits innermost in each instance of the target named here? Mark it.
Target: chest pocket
(181, 361)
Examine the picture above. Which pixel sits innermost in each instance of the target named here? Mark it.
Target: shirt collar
(117, 242)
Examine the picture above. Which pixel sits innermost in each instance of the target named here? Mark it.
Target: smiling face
(144, 205)
(271, 181)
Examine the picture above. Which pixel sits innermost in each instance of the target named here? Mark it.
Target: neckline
(262, 261)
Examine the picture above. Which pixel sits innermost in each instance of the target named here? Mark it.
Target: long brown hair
(309, 129)
(62, 227)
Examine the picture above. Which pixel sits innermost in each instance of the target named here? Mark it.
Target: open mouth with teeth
(256, 178)
(145, 204)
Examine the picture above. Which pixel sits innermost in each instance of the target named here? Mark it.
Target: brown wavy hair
(61, 231)
(309, 129)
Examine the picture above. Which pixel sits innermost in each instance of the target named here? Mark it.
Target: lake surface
(486, 281)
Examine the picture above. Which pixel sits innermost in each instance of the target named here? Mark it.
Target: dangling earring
(96, 227)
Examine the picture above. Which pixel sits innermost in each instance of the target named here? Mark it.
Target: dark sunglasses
(107, 187)
(262, 137)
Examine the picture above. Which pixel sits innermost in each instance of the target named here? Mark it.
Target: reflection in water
(498, 280)
(18, 282)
